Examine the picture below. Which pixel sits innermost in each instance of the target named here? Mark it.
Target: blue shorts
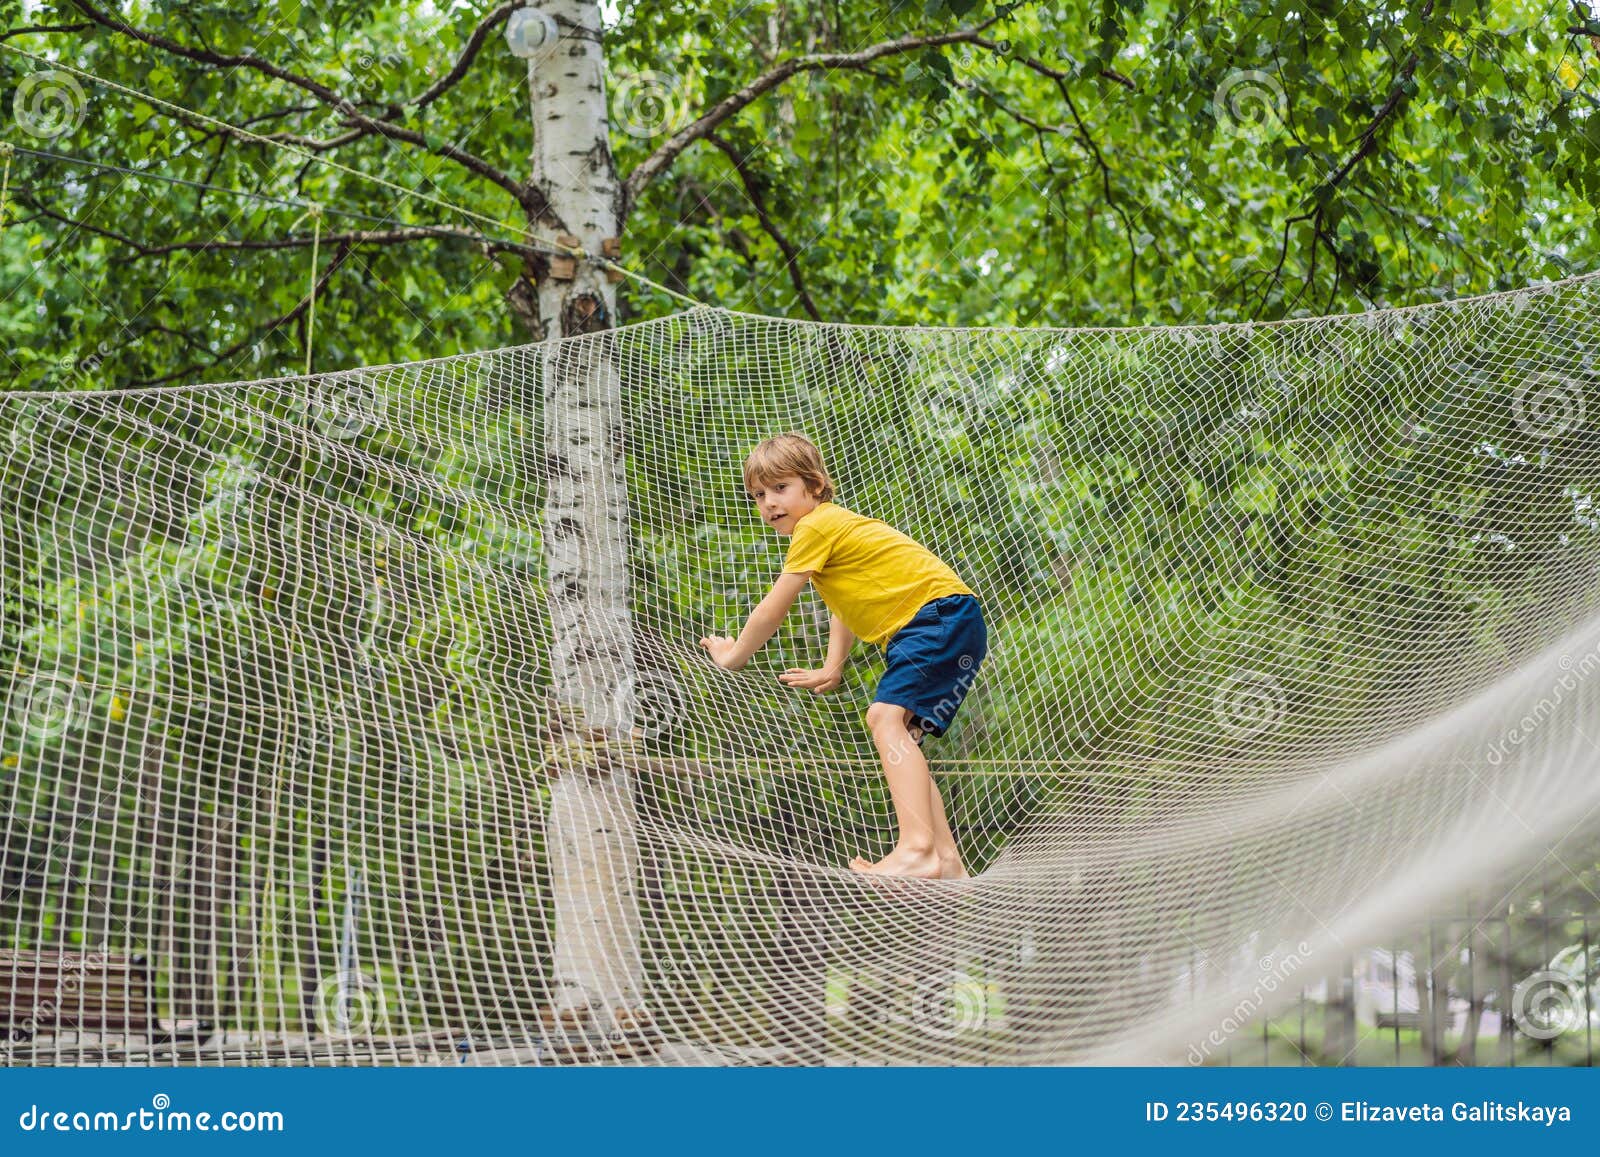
(933, 661)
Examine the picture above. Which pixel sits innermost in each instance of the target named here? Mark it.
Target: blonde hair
(787, 454)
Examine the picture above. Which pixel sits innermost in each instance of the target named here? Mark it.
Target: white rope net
(1293, 631)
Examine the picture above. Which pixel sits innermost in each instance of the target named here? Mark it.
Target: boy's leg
(951, 866)
(911, 788)
(944, 841)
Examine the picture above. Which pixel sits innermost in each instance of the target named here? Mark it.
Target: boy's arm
(763, 621)
(840, 640)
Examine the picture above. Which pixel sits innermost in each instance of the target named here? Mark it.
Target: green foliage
(1180, 170)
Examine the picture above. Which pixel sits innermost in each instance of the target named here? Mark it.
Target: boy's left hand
(820, 680)
(720, 647)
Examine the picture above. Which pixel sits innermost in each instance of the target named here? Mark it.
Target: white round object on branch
(530, 32)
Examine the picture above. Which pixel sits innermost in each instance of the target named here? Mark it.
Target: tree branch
(1366, 145)
(729, 231)
(1015, 114)
(1368, 141)
(752, 191)
(1056, 74)
(526, 197)
(1105, 178)
(398, 236)
(1283, 255)
(316, 144)
(220, 60)
(9, 33)
(1040, 129)
(468, 55)
(189, 371)
(1339, 266)
(432, 93)
(657, 162)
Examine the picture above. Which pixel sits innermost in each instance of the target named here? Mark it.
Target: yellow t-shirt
(871, 576)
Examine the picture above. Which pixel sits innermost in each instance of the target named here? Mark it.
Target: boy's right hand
(819, 680)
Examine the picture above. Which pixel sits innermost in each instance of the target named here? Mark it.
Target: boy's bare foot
(900, 862)
(950, 866)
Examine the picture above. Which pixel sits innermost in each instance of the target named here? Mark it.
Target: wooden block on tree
(611, 249)
(564, 266)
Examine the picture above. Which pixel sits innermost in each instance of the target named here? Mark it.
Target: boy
(887, 589)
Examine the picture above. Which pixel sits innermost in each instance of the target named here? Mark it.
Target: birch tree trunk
(590, 832)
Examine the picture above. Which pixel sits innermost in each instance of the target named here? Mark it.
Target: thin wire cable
(247, 194)
(315, 213)
(6, 149)
(443, 232)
